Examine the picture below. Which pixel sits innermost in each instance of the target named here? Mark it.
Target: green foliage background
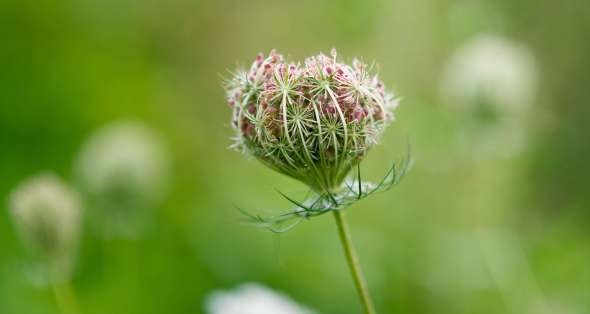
(68, 67)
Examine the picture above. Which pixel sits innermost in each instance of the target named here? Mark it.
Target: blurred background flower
(492, 70)
(123, 169)
(491, 81)
(47, 214)
(252, 298)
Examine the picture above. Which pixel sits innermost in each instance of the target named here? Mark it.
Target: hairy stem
(353, 262)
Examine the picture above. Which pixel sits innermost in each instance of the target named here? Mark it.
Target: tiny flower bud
(330, 109)
(357, 64)
(358, 115)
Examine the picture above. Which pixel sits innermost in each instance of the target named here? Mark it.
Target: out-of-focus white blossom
(252, 298)
(47, 214)
(492, 70)
(492, 81)
(123, 168)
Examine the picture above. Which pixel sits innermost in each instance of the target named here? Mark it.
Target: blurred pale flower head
(47, 214)
(312, 121)
(492, 70)
(492, 81)
(123, 168)
(252, 298)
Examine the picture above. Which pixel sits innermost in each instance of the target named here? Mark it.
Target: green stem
(353, 262)
(65, 297)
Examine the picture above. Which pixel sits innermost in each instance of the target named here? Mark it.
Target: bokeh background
(463, 233)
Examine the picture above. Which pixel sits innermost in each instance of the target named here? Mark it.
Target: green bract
(313, 121)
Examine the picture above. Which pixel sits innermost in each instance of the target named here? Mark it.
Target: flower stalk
(353, 262)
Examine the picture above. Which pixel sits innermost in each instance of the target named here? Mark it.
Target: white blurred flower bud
(491, 69)
(47, 215)
(252, 298)
(493, 81)
(124, 170)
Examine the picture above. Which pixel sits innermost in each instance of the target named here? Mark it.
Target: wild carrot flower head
(313, 121)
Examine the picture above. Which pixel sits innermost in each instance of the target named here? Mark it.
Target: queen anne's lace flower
(312, 121)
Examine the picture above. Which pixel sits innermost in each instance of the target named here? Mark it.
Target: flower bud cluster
(312, 121)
